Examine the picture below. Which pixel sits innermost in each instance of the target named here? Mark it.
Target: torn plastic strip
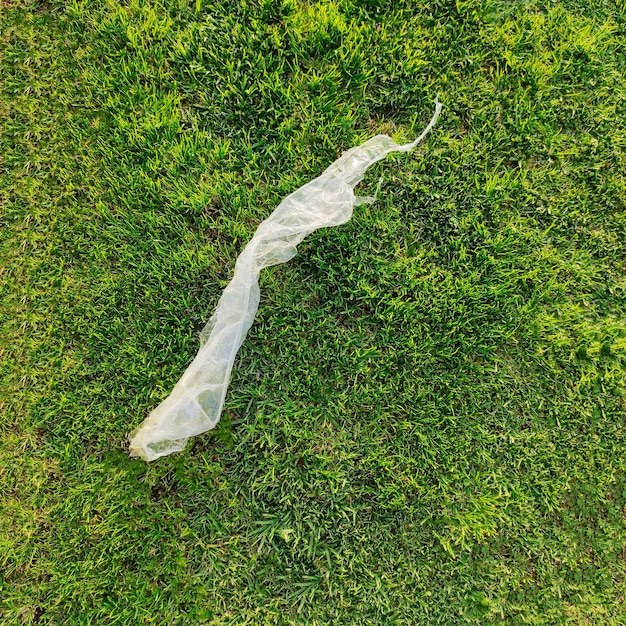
(196, 402)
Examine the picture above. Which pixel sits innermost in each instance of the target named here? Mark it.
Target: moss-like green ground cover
(426, 424)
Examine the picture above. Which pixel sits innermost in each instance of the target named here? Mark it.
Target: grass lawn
(427, 422)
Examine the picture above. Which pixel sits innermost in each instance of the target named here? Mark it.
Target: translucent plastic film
(195, 404)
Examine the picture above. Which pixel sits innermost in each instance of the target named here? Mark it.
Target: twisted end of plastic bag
(196, 402)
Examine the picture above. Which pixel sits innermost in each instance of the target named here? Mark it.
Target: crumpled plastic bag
(195, 404)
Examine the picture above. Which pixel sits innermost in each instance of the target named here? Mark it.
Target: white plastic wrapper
(195, 404)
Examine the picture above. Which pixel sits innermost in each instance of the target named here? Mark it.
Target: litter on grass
(196, 402)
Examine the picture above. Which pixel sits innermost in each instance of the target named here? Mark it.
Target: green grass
(426, 425)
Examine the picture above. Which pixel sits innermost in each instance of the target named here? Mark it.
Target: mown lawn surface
(426, 425)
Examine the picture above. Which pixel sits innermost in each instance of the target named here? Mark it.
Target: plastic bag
(195, 404)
